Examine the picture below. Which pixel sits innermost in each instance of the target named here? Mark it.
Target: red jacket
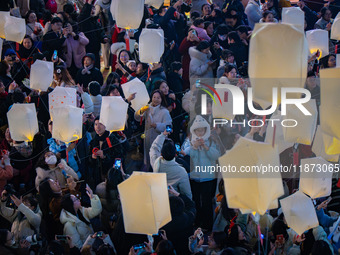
(6, 173)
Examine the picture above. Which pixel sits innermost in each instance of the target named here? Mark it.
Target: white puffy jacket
(77, 229)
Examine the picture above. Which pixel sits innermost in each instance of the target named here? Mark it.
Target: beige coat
(76, 228)
(55, 174)
(27, 226)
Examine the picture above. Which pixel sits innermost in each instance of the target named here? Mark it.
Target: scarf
(86, 70)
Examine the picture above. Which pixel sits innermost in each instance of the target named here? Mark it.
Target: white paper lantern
(278, 58)
(294, 16)
(1, 43)
(41, 75)
(318, 40)
(337, 60)
(319, 147)
(330, 108)
(226, 109)
(3, 17)
(62, 96)
(154, 3)
(23, 122)
(145, 202)
(67, 123)
(304, 131)
(15, 29)
(113, 113)
(335, 29)
(316, 177)
(136, 86)
(254, 190)
(128, 13)
(151, 45)
(279, 142)
(299, 212)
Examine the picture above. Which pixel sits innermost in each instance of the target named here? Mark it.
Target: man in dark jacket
(104, 148)
(89, 25)
(54, 39)
(167, 19)
(89, 72)
(180, 228)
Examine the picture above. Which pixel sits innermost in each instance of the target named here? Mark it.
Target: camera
(10, 190)
(34, 238)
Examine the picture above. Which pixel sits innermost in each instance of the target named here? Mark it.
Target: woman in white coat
(200, 63)
(26, 219)
(157, 117)
(76, 219)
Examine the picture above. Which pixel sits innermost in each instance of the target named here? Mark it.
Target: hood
(200, 122)
(194, 53)
(65, 216)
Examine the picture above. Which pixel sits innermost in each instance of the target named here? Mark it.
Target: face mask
(51, 160)
(222, 37)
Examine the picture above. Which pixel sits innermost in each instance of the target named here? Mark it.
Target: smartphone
(138, 246)
(118, 163)
(200, 235)
(279, 238)
(55, 55)
(100, 234)
(178, 148)
(328, 200)
(194, 32)
(61, 238)
(172, 42)
(14, 58)
(168, 128)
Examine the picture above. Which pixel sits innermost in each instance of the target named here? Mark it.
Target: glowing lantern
(166, 2)
(154, 3)
(224, 110)
(138, 87)
(329, 87)
(151, 45)
(1, 43)
(254, 190)
(128, 13)
(335, 29)
(319, 147)
(145, 202)
(67, 123)
(3, 17)
(266, 74)
(15, 29)
(305, 128)
(62, 96)
(318, 40)
(272, 128)
(23, 122)
(316, 177)
(299, 212)
(111, 108)
(41, 75)
(294, 16)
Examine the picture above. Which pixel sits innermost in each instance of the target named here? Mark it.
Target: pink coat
(201, 33)
(76, 49)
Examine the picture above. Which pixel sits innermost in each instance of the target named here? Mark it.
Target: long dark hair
(163, 103)
(46, 194)
(114, 177)
(67, 205)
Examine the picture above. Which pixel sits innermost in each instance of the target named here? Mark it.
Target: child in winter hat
(200, 129)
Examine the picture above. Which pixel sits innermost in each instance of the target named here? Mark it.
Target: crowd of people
(62, 198)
